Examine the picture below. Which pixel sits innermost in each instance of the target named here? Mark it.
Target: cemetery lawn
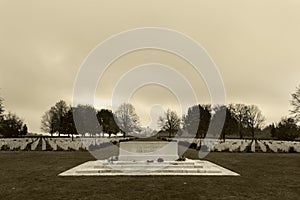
(33, 175)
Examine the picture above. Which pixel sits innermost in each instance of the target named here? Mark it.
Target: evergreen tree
(196, 121)
(107, 121)
(286, 129)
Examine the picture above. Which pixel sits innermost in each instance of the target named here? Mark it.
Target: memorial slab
(143, 151)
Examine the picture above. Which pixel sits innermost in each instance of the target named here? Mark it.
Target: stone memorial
(148, 150)
(144, 158)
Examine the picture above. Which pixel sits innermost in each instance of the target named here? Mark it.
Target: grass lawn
(33, 175)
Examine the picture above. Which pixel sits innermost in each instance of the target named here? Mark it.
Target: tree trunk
(240, 131)
(198, 134)
(252, 130)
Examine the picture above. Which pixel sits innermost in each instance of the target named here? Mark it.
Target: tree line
(244, 121)
(241, 120)
(59, 119)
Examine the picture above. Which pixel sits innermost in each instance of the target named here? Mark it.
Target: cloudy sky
(254, 43)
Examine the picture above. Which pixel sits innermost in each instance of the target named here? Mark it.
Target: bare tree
(127, 119)
(49, 121)
(1, 109)
(52, 119)
(255, 119)
(86, 120)
(239, 112)
(295, 102)
(170, 122)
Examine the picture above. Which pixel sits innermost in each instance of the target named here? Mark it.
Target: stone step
(145, 166)
(186, 163)
(130, 170)
(181, 168)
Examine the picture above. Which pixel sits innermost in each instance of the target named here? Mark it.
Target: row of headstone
(209, 144)
(14, 144)
(271, 146)
(244, 145)
(44, 146)
(262, 146)
(222, 147)
(234, 145)
(76, 144)
(52, 144)
(253, 146)
(283, 146)
(35, 144)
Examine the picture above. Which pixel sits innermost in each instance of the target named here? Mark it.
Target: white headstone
(35, 144)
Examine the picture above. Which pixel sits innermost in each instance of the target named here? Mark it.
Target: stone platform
(147, 158)
(144, 168)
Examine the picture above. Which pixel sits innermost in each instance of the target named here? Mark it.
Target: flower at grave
(181, 158)
(115, 158)
(112, 159)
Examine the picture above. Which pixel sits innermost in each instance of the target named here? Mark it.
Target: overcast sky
(254, 43)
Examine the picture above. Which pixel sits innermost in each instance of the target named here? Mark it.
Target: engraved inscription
(142, 147)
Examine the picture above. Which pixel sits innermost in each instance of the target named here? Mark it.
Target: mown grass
(33, 175)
